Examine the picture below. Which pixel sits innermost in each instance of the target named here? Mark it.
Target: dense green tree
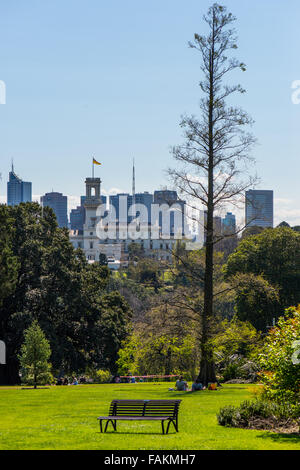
(58, 288)
(253, 230)
(275, 255)
(256, 300)
(147, 272)
(279, 359)
(8, 262)
(135, 252)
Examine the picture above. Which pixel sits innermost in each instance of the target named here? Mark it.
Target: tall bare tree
(212, 161)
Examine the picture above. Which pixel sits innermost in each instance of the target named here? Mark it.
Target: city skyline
(95, 95)
(74, 201)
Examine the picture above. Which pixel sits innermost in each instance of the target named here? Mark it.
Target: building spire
(133, 183)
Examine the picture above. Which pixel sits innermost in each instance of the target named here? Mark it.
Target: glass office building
(18, 190)
(259, 208)
(59, 203)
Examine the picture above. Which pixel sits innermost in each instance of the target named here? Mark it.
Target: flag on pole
(95, 162)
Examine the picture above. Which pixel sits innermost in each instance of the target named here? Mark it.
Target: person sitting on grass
(181, 385)
(74, 381)
(197, 385)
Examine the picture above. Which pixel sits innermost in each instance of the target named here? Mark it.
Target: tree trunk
(207, 368)
(168, 362)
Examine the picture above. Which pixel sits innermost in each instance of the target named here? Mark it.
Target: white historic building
(112, 238)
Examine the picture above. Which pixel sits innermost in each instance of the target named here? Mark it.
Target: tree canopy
(52, 283)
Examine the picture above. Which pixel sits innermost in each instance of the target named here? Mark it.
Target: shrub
(233, 344)
(248, 410)
(102, 376)
(280, 368)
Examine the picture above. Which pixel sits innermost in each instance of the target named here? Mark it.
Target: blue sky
(111, 79)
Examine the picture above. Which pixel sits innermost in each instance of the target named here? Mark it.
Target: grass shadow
(32, 388)
(146, 433)
(292, 438)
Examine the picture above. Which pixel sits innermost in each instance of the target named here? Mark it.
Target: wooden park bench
(142, 410)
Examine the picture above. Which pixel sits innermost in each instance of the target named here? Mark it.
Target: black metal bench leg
(168, 426)
(162, 427)
(100, 421)
(176, 424)
(113, 422)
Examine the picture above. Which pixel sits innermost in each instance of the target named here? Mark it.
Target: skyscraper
(59, 203)
(18, 190)
(229, 224)
(177, 209)
(259, 208)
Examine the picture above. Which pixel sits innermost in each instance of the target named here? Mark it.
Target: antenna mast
(133, 184)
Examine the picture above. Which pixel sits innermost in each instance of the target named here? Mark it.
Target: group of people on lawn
(66, 381)
(182, 385)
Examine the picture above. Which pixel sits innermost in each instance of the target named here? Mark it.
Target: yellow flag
(95, 162)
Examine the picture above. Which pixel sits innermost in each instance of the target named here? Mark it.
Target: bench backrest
(139, 408)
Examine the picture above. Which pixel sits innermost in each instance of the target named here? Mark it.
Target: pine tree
(215, 152)
(34, 356)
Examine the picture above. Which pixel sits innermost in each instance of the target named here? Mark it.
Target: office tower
(177, 212)
(121, 203)
(259, 208)
(18, 190)
(77, 218)
(229, 224)
(217, 225)
(145, 199)
(59, 203)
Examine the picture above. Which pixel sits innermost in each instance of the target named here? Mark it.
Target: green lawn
(66, 418)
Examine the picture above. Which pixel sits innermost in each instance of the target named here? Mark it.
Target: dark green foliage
(256, 300)
(243, 415)
(146, 272)
(8, 262)
(250, 231)
(68, 297)
(274, 255)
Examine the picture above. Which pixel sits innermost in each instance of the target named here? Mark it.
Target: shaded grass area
(66, 418)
